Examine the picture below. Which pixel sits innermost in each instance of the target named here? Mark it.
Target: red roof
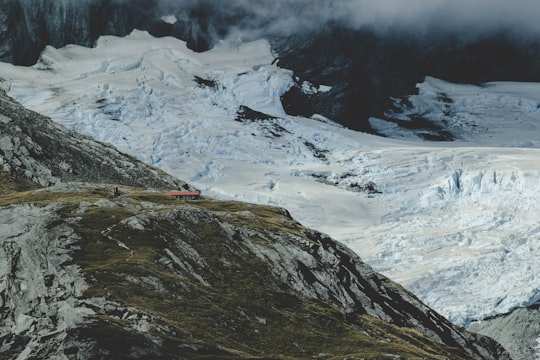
(183, 193)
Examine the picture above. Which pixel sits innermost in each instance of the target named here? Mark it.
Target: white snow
(499, 113)
(456, 223)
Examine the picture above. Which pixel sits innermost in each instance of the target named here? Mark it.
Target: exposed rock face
(32, 24)
(35, 150)
(39, 289)
(517, 331)
(26, 27)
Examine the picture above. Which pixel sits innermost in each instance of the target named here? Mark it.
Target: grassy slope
(9, 185)
(240, 310)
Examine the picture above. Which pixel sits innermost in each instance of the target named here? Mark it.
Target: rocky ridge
(87, 275)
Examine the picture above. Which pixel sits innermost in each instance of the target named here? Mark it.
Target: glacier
(455, 222)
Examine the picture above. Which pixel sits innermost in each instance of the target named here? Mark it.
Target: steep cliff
(28, 26)
(366, 70)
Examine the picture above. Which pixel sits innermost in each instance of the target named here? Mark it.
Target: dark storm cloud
(413, 16)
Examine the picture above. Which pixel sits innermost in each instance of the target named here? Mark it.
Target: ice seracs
(455, 223)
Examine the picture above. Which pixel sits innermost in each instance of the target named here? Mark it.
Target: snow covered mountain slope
(491, 114)
(323, 41)
(460, 218)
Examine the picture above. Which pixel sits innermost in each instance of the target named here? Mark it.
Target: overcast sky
(455, 15)
(415, 16)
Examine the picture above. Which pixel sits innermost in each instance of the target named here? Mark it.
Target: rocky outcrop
(35, 150)
(518, 331)
(87, 275)
(40, 289)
